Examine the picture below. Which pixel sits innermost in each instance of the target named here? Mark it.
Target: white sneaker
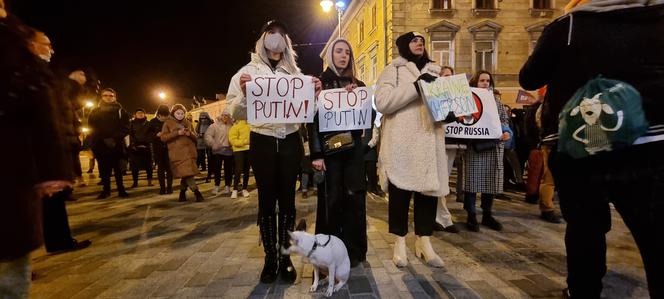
(215, 191)
(234, 195)
(245, 193)
(227, 190)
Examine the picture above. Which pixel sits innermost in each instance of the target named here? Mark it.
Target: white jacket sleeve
(390, 97)
(237, 102)
(375, 137)
(209, 136)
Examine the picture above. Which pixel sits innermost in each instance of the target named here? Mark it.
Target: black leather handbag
(336, 143)
(484, 145)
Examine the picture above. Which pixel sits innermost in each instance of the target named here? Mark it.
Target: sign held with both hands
(280, 99)
(341, 110)
(447, 94)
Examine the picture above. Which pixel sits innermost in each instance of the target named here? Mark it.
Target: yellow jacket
(238, 136)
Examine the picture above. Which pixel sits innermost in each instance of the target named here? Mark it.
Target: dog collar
(316, 245)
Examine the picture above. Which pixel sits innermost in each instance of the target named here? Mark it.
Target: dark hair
(448, 68)
(109, 90)
(163, 110)
(476, 78)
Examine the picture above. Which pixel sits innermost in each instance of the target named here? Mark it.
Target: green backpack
(603, 115)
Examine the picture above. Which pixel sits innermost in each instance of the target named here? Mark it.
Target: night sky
(187, 47)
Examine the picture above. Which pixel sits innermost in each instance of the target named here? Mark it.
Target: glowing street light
(89, 104)
(85, 130)
(339, 6)
(162, 95)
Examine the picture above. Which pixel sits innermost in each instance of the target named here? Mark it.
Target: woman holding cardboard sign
(483, 167)
(275, 149)
(412, 153)
(341, 198)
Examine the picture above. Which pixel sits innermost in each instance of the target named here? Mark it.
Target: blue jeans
(470, 198)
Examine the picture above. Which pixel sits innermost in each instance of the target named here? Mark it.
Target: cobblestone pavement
(151, 246)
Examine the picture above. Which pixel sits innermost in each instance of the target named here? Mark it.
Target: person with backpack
(596, 118)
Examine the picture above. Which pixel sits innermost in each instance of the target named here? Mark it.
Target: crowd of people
(407, 157)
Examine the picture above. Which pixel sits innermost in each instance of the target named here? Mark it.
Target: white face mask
(46, 58)
(275, 42)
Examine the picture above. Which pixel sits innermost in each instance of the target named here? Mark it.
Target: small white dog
(326, 253)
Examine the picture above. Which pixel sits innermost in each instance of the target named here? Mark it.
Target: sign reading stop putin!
(280, 99)
(342, 110)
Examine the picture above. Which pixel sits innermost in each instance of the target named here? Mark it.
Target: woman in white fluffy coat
(412, 154)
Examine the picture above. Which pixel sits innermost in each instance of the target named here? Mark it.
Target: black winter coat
(34, 150)
(140, 132)
(350, 163)
(626, 45)
(109, 124)
(159, 148)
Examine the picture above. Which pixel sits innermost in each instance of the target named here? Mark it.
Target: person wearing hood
(618, 40)
(140, 138)
(275, 150)
(420, 169)
(216, 138)
(204, 155)
(109, 124)
(238, 136)
(179, 136)
(341, 207)
(160, 151)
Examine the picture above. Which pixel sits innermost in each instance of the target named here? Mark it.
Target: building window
(361, 30)
(442, 51)
(374, 22)
(441, 4)
(485, 55)
(360, 69)
(485, 4)
(542, 4)
(374, 63)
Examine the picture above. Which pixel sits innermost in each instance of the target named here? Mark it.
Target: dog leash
(316, 245)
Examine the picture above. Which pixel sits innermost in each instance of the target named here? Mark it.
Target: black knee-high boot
(268, 225)
(286, 269)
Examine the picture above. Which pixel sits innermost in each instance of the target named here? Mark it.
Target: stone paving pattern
(151, 246)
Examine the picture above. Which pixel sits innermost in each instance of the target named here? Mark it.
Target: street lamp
(162, 96)
(89, 104)
(339, 6)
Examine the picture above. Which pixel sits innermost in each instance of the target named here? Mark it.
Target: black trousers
(141, 159)
(341, 211)
(276, 164)
(241, 169)
(219, 162)
(633, 180)
(201, 160)
(108, 164)
(398, 206)
(164, 174)
(372, 175)
(57, 234)
(76, 160)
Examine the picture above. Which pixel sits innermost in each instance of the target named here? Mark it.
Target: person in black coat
(109, 124)
(140, 156)
(160, 151)
(341, 198)
(619, 40)
(37, 163)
